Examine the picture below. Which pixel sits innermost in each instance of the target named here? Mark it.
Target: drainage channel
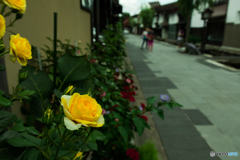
(225, 60)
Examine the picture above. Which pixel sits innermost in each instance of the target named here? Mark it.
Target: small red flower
(133, 154)
(93, 60)
(143, 106)
(124, 95)
(144, 117)
(126, 88)
(131, 99)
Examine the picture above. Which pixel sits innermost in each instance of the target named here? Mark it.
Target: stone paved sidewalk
(209, 120)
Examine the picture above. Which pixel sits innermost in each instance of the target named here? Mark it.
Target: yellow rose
(81, 110)
(78, 156)
(2, 26)
(20, 49)
(16, 4)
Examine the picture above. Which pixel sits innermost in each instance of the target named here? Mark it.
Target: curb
(148, 135)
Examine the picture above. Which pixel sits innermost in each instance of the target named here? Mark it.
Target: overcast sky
(134, 6)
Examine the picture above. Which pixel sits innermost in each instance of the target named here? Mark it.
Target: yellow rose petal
(73, 98)
(67, 99)
(88, 123)
(16, 4)
(2, 26)
(22, 61)
(100, 121)
(20, 48)
(66, 112)
(76, 112)
(71, 125)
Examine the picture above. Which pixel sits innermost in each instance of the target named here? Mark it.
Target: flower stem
(4, 53)
(86, 139)
(60, 144)
(3, 8)
(12, 23)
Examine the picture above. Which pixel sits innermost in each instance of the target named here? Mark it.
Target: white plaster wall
(154, 22)
(233, 12)
(160, 19)
(173, 18)
(196, 21)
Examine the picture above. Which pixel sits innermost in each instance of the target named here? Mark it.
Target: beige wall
(37, 24)
(232, 35)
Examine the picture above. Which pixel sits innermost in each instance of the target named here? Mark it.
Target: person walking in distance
(180, 37)
(145, 38)
(150, 40)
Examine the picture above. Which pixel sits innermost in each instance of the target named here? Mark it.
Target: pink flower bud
(116, 119)
(128, 81)
(103, 111)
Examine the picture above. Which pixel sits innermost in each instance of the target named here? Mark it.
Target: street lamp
(206, 14)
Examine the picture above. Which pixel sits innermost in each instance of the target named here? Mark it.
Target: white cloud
(134, 6)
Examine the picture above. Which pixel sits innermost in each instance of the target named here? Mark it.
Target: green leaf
(9, 134)
(20, 142)
(159, 112)
(169, 105)
(18, 128)
(151, 100)
(1, 92)
(32, 130)
(124, 133)
(33, 139)
(27, 93)
(92, 146)
(36, 107)
(6, 119)
(2, 68)
(58, 93)
(139, 123)
(4, 101)
(177, 105)
(97, 135)
(73, 68)
(33, 154)
(116, 115)
(37, 81)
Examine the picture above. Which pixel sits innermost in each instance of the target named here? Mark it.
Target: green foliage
(195, 39)
(186, 7)
(2, 68)
(148, 151)
(147, 15)
(69, 68)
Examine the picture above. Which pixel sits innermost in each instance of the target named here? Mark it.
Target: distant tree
(147, 15)
(125, 15)
(186, 8)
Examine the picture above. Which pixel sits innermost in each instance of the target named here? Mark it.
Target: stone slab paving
(210, 95)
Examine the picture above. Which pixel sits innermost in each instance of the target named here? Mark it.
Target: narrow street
(209, 120)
